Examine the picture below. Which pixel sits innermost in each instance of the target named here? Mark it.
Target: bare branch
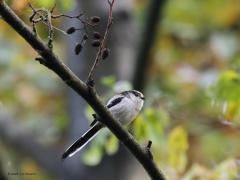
(102, 45)
(52, 62)
(45, 16)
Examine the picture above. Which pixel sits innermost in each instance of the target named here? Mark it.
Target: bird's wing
(114, 100)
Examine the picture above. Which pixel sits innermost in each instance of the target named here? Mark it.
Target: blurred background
(185, 57)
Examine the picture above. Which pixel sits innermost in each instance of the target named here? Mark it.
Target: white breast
(125, 111)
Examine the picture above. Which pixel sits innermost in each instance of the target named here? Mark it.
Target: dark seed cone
(97, 35)
(95, 19)
(85, 37)
(105, 53)
(96, 43)
(78, 48)
(71, 30)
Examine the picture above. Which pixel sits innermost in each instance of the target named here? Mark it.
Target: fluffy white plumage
(128, 108)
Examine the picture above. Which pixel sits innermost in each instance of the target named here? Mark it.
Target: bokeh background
(185, 57)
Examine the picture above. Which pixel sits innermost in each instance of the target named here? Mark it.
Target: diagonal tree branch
(50, 60)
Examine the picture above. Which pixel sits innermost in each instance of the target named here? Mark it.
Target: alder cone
(71, 30)
(95, 19)
(105, 53)
(78, 48)
(85, 37)
(97, 35)
(96, 43)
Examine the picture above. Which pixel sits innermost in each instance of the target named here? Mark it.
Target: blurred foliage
(30, 93)
(192, 111)
(177, 148)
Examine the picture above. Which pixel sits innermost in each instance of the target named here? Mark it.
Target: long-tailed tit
(124, 107)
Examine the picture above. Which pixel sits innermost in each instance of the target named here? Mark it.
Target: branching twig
(52, 62)
(45, 16)
(78, 17)
(102, 45)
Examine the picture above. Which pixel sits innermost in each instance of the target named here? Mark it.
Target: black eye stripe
(137, 94)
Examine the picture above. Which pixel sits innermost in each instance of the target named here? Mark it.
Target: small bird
(124, 108)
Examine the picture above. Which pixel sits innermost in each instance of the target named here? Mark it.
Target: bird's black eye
(136, 94)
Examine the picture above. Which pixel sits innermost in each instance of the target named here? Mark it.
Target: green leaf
(139, 129)
(89, 112)
(111, 146)
(46, 3)
(177, 148)
(67, 5)
(227, 87)
(108, 81)
(92, 156)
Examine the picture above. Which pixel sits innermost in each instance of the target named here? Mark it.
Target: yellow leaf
(177, 148)
(92, 156)
(111, 145)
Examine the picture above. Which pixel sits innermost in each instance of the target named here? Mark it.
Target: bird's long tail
(82, 141)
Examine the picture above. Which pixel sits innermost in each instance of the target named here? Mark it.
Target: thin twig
(54, 6)
(78, 17)
(50, 30)
(45, 16)
(102, 45)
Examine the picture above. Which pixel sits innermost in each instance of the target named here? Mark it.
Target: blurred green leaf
(177, 148)
(108, 81)
(111, 145)
(46, 3)
(92, 156)
(139, 129)
(67, 5)
(227, 87)
(89, 112)
(217, 145)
